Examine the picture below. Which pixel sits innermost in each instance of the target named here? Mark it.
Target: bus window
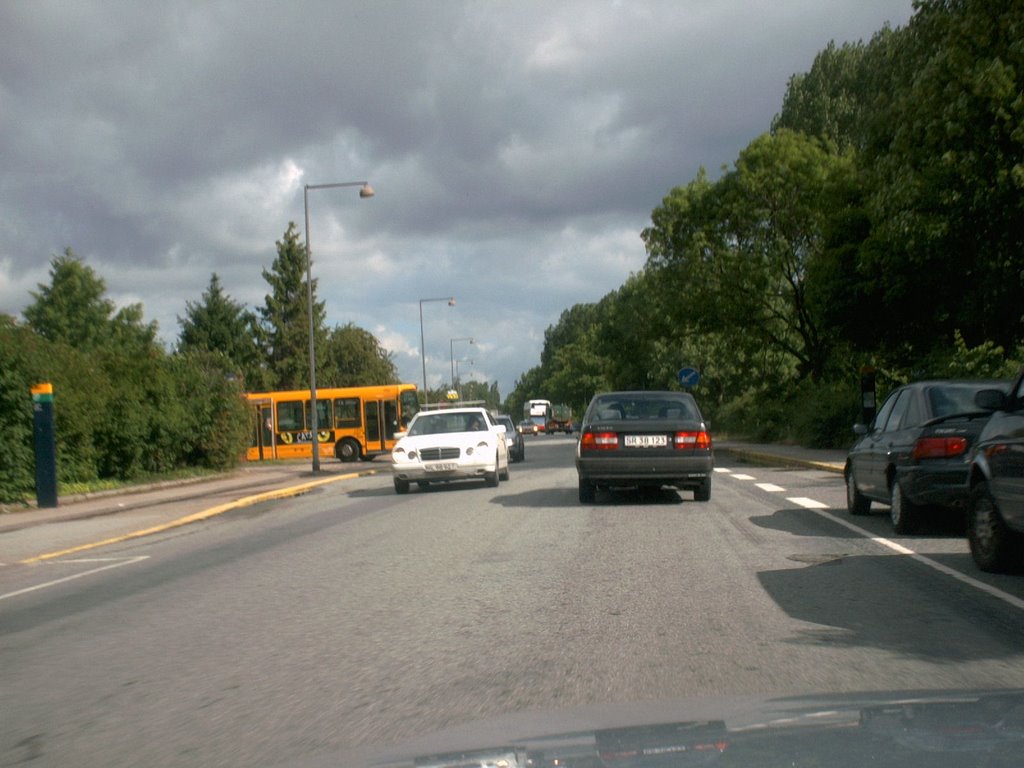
(323, 413)
(410, 405)
(346, 413)
(289, 416)
(390, 419)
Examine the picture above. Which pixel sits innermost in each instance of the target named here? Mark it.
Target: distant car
(514, 438)
(995, 516)
(450, 444)
(914, 455)
(527, 427)
(644, 439)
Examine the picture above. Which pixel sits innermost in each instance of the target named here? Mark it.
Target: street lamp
(365, 190)
(423, 351)
(451, 351)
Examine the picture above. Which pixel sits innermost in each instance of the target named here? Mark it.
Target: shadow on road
(860, 601)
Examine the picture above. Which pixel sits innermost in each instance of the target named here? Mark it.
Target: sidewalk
(249, 480)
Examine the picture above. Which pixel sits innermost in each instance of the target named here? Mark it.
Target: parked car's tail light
(939, 447)
(599, 441)
(693, 440)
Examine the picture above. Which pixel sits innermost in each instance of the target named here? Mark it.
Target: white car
(450, 444)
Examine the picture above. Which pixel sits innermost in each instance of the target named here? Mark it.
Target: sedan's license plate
(448, 467)
(645, 441)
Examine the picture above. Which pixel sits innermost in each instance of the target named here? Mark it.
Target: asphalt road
(351, 617)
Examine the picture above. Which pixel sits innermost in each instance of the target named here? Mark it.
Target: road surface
(351, 617)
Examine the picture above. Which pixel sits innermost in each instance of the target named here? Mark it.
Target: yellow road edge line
(195, 517)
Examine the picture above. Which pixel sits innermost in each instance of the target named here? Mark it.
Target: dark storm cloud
(516, 148)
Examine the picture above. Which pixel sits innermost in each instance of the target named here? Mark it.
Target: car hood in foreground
(907, 728)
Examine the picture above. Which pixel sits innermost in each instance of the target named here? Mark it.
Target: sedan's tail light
(693, 440)
(599, 441)
(939, 447)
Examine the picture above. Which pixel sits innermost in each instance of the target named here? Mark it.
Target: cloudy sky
(517, 149)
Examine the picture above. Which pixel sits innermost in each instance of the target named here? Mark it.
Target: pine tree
(219, 324)
(285, 315)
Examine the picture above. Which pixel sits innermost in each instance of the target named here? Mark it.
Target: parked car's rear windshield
(951, 399)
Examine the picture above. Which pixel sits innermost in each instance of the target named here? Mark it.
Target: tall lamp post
(423, 351)
(451, 351)
(365, 190)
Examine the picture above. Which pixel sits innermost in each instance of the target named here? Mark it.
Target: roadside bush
(823, 414)
(216, 415)
(120, 414)
(17, 470)
(755, 414)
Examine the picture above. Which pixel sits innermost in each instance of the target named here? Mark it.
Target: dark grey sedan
(915, 453)
(995, 519)
(644, 439)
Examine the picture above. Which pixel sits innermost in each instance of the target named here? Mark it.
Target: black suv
(995, 519)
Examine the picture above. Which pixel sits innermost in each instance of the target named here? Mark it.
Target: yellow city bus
(353, 422)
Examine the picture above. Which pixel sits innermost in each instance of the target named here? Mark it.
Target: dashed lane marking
(110, 562)
(822, 510)
(806, 503)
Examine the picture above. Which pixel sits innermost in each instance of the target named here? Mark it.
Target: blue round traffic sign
(688, 377)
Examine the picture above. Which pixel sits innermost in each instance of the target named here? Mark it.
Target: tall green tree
(945, 169)
(219, 324)
(73, 309)
(838, 99)
(352, 356)
(285, 315)
(739, 249)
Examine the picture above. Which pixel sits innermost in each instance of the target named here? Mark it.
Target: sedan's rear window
(644, 409)
(951, 400)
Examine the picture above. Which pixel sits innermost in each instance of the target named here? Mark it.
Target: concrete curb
(206, 514)
(774, 459)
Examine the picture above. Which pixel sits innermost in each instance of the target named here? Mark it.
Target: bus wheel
(347, 450)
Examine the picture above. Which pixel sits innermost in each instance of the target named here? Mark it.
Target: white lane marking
(723, 470)
(770, 487)
(1016, 602)
(111, 562)
(806, 503)
(818, 508)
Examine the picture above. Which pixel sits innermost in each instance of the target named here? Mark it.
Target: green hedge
(118, 416)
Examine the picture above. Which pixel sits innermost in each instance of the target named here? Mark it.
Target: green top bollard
(45, 442)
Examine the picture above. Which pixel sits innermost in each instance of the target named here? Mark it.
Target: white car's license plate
(446, 467)
(645, 441)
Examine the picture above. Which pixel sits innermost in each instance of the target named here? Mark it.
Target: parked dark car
(915, 454)
(644, 439)
(514, 438)
(995, 517)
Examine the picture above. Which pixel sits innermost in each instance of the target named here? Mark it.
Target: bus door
(390, 423)
(374, 429)
(263, 434)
